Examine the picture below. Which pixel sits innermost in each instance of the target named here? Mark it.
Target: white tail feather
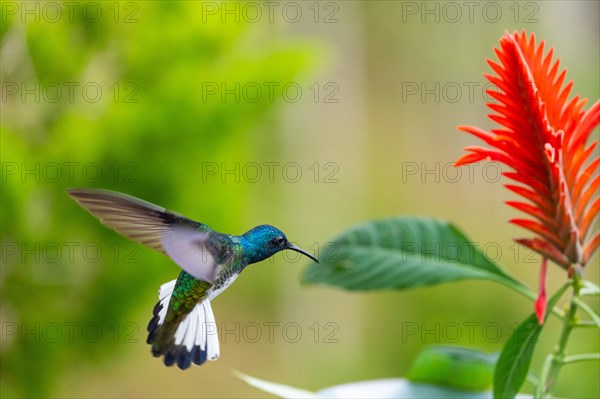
(196, 338)
(212, 338)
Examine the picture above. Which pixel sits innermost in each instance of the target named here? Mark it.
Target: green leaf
(454, 367)
(513, 363)
(401, 253)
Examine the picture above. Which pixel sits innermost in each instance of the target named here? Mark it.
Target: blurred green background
(311, 116)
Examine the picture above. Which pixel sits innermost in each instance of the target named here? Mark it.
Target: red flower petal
(539, 229)
(533, 211)
(546, 249)
(591, 247)
(590, 215)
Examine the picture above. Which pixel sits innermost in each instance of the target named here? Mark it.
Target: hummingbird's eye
(279, 240)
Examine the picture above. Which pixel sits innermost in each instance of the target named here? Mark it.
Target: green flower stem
(555, 360)
(539, 391)
(586, 323)
(585, 307)
(584, 357)
(532, 379)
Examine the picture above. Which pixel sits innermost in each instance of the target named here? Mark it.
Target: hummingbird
(183, 327)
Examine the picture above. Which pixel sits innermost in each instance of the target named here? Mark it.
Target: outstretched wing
(182, 239)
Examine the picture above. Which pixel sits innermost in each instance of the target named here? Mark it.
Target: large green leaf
(513, 363)
(403, 252)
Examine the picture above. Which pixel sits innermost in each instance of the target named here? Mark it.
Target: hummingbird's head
(265, 241)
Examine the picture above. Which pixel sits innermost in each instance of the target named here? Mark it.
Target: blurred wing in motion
(182, 239)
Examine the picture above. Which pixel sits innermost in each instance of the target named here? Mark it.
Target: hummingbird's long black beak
(303, 252)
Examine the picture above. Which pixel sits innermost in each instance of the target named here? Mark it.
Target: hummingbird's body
(183, 327)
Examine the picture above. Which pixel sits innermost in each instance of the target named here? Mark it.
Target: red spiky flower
(544, 140)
